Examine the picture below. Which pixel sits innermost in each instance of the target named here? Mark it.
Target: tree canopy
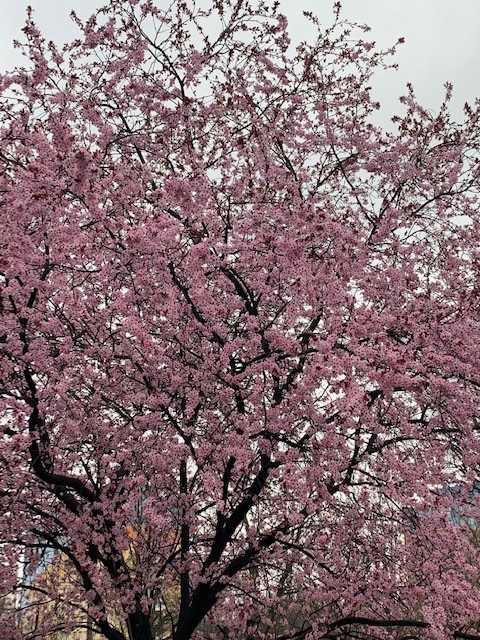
(239, 380)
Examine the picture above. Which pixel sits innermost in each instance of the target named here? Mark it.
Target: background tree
(240, 335)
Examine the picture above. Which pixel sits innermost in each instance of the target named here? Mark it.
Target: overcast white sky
(442, 39)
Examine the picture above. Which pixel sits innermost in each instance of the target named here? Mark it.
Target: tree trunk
(203, 600)
(139, 626)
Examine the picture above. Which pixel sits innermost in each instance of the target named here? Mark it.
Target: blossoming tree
(239, 336)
